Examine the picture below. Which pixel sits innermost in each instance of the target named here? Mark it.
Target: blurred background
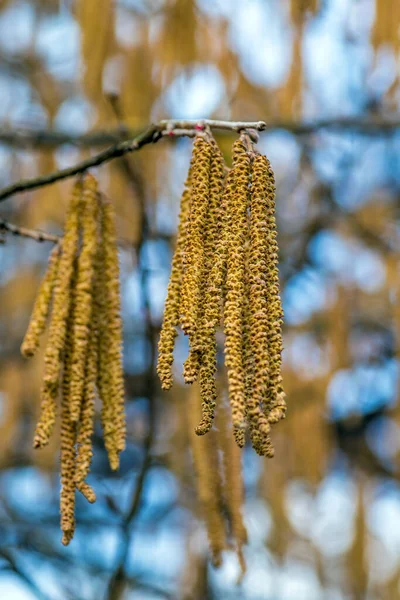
(323, 516)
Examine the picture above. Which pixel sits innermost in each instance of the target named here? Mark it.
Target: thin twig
(147, 137)
(42, 236)
(35, 234)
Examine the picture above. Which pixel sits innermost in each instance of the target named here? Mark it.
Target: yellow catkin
(41, 307)
(61, 299)
(83, 293)
(206, 343)
(68, 436)
(47, 419)
(235, 289)
(258, 307)
(248, 360)
(68, 440)
(194, 249)
(86, 425)
(208, 388)
(213, 307)
(275, 406)
(171, 312)
(208, 478)
(87, 491)
(110, 380)
(233, 482)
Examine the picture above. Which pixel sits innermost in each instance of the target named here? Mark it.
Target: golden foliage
(97, 28)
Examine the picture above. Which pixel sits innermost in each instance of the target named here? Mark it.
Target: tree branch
(177, 128)
(150, 135)
(47, 138)
(35, 234)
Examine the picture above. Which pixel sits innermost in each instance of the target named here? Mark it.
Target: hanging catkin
(191, 307)
(233, 483)
(171, 312)
(68, 428)
(58, 321)
(228, 264)
(257, 316)
(83, 291)
(83, 355)
(235, 284)
(206, 342)
(41, 308)
(275, 405)
(208, 479)
(86, 425)
(62, 288)
(110, 370)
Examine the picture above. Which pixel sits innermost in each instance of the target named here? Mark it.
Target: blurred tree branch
(48, 138)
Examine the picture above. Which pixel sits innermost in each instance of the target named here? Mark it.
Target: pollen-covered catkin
(171, 311)
(47, 419)
(257, 273)
(110, 379)
(86, 426)
(213, 307)
(275, 406)
(41, 308)
(235, 283)
(83, 292)
(68, 437)
(62, 289)
(194, 250)
(205, 339)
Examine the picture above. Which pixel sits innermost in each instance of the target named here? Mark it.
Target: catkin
(110, 370)
(83, 355)
(190, 307)
(235, 284)
(86, 425)
(208, 478)
(275, 404)
(226, 264)
(233, 483)
(47, 418)
(61, 300)
(41, 307)
(258, 310)
(83, 291)
(171, 312)
(206, 343)
(68, 433)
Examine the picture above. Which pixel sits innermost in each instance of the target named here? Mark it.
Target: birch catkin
(83, 291)
(228, 265)
(41, 308)
(83, 356)
(110, 370)
(62, 292)
(171, 313)
(235, 284)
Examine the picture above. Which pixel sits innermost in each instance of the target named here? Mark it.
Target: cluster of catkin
(225, 269)
(80, 298)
